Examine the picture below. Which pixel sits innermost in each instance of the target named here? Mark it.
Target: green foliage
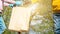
(6, 16)
(44, 27)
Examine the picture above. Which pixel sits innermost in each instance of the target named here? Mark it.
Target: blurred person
(6, 3)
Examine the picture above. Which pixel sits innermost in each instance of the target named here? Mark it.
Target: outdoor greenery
(41, 23)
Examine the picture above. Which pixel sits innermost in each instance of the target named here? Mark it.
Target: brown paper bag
(19, 19)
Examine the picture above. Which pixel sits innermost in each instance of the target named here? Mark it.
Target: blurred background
(41, 23)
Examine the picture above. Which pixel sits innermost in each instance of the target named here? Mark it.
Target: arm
(10, 1)
(13, 2)
(6, 4)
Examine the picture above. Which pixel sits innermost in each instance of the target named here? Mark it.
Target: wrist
(11, 5)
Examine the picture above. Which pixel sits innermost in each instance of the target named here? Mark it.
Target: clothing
(56, 4)
(6, 4)
(56, 16)
(57, 23)
(2, 25)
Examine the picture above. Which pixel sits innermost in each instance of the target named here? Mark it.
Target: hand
(19, 3)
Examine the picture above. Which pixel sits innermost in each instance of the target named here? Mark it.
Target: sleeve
(6, 4)
(2, 25)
